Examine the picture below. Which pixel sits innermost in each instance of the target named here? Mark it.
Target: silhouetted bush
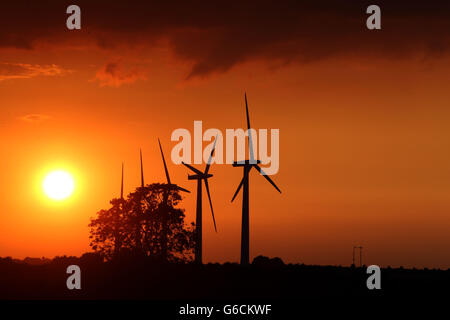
(263, 261)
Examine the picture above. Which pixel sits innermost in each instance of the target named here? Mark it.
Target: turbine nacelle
(242, 163)
(199, 176)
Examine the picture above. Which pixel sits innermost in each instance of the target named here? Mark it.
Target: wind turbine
(121, 205)
(142, 170)
(247, 166)
(201, 176)
(121, 185)
(171, 186)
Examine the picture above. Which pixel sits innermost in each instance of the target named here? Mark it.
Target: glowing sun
(58, 185)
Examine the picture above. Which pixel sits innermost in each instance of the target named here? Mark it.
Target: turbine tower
(247, 166)
(201, 176)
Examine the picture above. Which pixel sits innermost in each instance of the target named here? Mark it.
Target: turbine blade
(142, 171)
(239, 188)
(246, 109)
(210, 156)
(183, 189)
(121, 186)
(266, 176)
(164, 161)
(250, 142)
(210, 203)
(192, 168)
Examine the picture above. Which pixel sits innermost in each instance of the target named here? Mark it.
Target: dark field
(268, 280)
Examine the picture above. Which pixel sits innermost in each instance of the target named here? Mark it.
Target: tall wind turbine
(201, 176)
(247, 166)
(171, 186)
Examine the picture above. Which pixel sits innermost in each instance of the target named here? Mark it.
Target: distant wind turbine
(171, 186)
(121, 207)
(201, 176)
(121, 186)
(247, 165)
(142, 170)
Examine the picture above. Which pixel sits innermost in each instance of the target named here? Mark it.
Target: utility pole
(360, 256)
(353, 259)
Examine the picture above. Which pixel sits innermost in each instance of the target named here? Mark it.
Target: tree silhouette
(147, 224)
(109, 229)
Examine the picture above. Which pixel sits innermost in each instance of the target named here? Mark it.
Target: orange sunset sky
(363, 118)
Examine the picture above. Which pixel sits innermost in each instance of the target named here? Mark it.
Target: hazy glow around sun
(58, 185)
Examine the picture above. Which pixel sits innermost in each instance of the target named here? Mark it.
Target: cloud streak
(10, 71)
(34, 118)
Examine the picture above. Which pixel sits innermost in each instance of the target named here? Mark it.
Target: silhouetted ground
(263, 280)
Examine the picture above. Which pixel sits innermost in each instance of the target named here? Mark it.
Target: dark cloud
(215, 36)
